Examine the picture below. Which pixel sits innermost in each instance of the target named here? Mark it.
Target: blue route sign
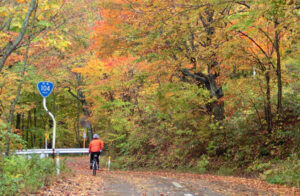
(45, 88)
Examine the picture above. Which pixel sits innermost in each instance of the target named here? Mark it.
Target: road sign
(47, 136)
(84, 135)
(45, 88)
(85, 123)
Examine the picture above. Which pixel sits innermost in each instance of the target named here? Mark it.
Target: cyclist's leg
(91, 159)
(98, 154)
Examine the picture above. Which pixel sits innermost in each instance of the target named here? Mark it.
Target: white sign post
(46, 143)
(54, 124)
(45, 89)
(84, 137)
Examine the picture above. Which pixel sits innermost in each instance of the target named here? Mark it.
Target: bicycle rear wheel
(94, 167)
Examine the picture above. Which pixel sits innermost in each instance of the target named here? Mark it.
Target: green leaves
(25, 175)
(45, 24)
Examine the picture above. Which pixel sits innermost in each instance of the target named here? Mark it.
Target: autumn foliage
(196, 85)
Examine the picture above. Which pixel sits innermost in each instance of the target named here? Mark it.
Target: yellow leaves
(3, 12)
(22, 1)
(93, 68)
(56, 40)
(150, 89)
(4, 37)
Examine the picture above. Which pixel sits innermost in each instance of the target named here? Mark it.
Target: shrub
(225, 171)
(202, 164)
(21, 175)
(284, 172)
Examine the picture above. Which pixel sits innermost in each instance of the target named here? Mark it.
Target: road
(128, 183)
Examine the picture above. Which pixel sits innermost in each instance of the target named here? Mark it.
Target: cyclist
(96, 146)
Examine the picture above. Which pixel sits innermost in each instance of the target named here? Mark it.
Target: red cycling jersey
(96, 145)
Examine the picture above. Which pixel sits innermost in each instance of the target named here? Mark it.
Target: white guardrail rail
(44, 153)
(50, 151)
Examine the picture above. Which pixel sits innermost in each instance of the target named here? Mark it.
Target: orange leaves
(14, 58)
(92, 67)
(118, 61)
(22, 1)
(17, 131)
(96, 67)
(108, 37)
(167, 95)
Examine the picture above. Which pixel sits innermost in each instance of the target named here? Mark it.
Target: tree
(262, 34)
(12, 45)
(181, 37)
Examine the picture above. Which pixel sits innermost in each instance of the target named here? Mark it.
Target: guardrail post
(108, 163)
(57, 164)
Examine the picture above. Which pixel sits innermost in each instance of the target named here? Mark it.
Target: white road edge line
(177, 184)
(188, 194)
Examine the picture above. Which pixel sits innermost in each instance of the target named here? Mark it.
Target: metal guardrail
(44, 153)
(50, 151)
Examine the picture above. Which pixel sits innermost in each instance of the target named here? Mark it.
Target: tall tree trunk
(84, 106)
(18, 121)
(278, 68)
(78, 123)
(28, 128)
(24, 130)
(208, 80)
(35, 126)
(16, 99)
(268, 111)
(86, 113)
(217, 108)
(80, 96)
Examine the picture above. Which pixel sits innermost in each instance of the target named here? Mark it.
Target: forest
(205, 86)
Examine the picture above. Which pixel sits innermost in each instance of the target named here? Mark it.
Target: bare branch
(69, 90)
(260, 48)
(200, 76)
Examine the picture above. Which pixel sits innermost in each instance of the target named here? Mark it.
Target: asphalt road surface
(129, 183)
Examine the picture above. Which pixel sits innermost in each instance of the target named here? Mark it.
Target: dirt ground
(124, 183)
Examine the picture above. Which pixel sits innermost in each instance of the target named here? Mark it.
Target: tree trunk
(215, 91)
(80, 96)
(35, 126)
(28, 128)
(24, 130)
(268, 111)
(86, 113)
(278, 69)
(18, 121)
(78, 123)
(216, 108)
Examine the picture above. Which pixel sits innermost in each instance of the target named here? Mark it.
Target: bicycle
(95, 165)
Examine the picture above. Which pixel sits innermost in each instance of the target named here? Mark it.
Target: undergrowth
(20, 175)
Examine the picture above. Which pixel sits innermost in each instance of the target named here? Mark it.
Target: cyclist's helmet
(95, 136)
